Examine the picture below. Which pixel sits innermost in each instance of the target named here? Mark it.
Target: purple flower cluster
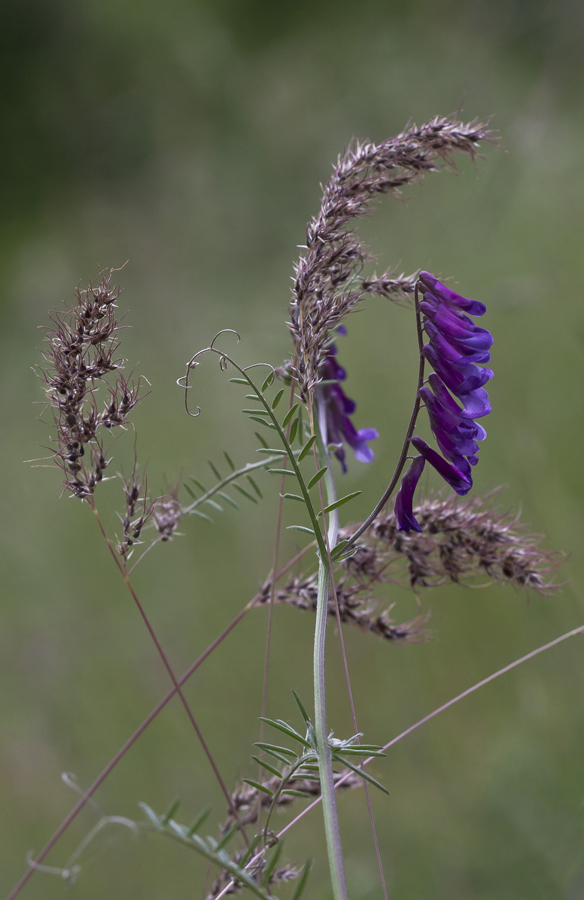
(456, 346)
(338, 409)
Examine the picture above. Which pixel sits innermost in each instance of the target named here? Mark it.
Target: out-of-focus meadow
(190, 138)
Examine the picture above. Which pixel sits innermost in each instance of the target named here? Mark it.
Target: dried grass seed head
(328, 283)
(462, 539)
(82, 350)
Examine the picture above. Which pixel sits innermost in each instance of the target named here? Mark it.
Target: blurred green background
(190, 138)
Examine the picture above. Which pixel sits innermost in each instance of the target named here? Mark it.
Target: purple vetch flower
(455, 347)
(338, 408)
(406, 521)
(457, 480)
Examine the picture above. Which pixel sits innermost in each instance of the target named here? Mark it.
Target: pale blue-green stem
(329, 804)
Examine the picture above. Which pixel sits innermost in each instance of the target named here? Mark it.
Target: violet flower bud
(403, 508)
(339, 407)
(450, 473)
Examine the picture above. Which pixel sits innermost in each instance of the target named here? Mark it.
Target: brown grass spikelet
(246, 800)
(461, 540)
(82, 351)
(328, 282)
(356, 607)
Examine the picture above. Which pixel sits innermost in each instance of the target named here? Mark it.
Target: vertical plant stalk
(332, 535)
(325, 763)
(171, 673)
(406, 444)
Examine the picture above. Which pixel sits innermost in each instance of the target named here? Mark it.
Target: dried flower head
(357, 606)
(82, 351)
(461, 540)
(328, 282)
(247, 800)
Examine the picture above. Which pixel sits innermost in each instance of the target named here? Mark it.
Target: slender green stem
(325, 764)
(406, 444)
(233, 476)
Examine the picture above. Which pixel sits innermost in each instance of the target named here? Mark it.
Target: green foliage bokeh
(190, 138)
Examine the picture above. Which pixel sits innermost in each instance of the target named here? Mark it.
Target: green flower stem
(325, 764)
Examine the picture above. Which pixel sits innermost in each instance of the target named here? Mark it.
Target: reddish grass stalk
(132, 740)
(445, 706)
(170, 671)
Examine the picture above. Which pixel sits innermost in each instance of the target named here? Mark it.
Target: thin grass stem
(170, 671)
(409, 433)
(142, 728)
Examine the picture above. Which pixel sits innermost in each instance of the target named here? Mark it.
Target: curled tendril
(224, 361)
(224, 331)
(257, 365)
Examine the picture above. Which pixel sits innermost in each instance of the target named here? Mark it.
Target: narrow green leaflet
(254, 486)
(289, 415)
(262, 421)
(361, 772)
(199, 484)
(301, 884)
(269, 380)
(198, 821)
(230, 462)
(214, 470)
(201, 515)
(271, 866)
(293, 497)
(156, 821)
(293, 430)
(259, 787)
(239, 381)
(261, 439)
(301, 528)
(243, 491)
(169, 814)
(228, 499)
(287, 729)
(338, 550)
(275, 747)
(265, 765)
(277, 398)
(305, 715)
(307, 447)
(316, 478)
(340, 502)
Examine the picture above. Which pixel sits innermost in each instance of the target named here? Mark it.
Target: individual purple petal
(403, 508)
(458, 357)
(447, 295)
(339, 407)
(458, 481)
(358, 440)
(476, 404)
(460, 332)
(460, 379)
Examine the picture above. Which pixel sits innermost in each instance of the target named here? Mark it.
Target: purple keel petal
(451, 474)
(447, 295)
(403, 509)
